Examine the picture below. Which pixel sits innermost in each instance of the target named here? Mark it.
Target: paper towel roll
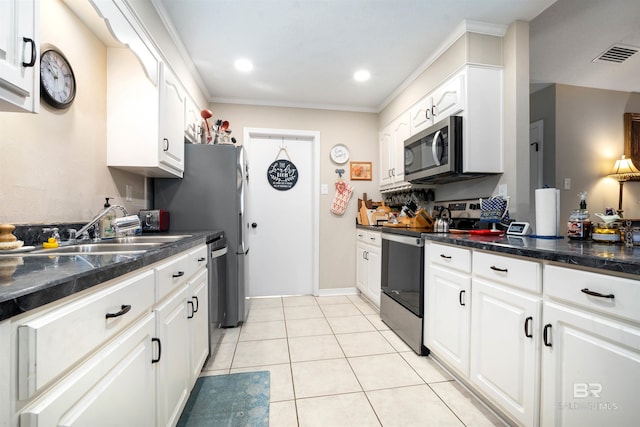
(547, 211)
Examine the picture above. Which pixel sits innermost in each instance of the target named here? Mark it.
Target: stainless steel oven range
(402, 297)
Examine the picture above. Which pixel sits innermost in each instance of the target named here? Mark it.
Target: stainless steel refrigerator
(212, 196)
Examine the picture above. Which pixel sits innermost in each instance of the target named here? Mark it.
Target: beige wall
(358, 131)
(53, 164)
(589, 138)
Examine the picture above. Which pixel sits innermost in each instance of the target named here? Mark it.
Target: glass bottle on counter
(579, 224)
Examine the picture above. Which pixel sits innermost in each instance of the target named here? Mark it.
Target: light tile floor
(333, 362)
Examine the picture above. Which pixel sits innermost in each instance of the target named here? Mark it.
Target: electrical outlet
(129, 190)
(567, 183)
(502, 190)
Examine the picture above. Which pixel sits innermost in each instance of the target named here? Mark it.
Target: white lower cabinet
(120, 354)
(591, 349)
(198, 324)
(114, 387)
(505, 337)
(448, 304)
(173, 364)
(369, 264)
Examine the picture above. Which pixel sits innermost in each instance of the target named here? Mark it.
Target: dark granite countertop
(41, 279)
(609, 257)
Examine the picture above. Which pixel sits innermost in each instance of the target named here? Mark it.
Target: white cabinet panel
(49, 344)
(505, 348)
(392, 140)
(198, 323)
(19, 58)
(369, 264)
(173, 367)
(114, 387)
(590, 369)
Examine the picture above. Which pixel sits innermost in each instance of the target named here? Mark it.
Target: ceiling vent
(617, 53)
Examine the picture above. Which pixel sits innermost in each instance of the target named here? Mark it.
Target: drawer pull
(202, 259)
(124, 309)
(462, 292)
(502, 270)
(445, 256)
(159, 349)
(546, 336)
(178, 274)
(193, 311)
(526, 327)
(597, 294)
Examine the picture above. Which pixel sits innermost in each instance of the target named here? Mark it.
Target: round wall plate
(339, 154)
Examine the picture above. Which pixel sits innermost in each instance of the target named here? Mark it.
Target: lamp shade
(624, 169)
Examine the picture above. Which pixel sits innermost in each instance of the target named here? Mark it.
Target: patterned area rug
(228, 400)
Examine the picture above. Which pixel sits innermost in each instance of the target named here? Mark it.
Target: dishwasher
(217, 266)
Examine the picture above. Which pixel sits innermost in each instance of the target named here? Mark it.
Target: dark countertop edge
(626, 267)
(16, 303)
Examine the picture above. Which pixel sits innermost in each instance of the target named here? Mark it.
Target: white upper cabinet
(19, 59)
(146, 102)
(444, 101)
(392, 140)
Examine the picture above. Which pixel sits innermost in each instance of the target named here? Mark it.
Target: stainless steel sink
(147, 239)
(98, 248)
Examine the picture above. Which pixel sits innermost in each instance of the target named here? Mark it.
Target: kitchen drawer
(374, 238)
(197, 260)
(566, 284)
(450, 256)
(171, 274)
(369, 237)
(50, 343)
(519, 273)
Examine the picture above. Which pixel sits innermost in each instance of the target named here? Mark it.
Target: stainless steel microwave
(434, 155)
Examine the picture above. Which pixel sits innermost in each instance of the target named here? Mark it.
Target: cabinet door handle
(193, 311)
(366, 255)
(32, 62)
(202, 259)
(165, 144)
(445, 256)
(597, 294)
(197, 306)
(426, 114)
(546, 335)
(502, 270)
(178, 274)
(393, 172)
(462, 292)
(159, 349)
(124, 309)
(526, 327)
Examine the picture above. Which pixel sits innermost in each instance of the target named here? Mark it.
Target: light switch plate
(324, 189)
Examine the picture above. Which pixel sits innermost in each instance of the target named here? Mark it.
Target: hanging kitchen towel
(341, 199)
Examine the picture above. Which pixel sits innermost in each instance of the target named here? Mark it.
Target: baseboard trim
(333, 292)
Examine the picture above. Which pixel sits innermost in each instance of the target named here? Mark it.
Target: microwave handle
(434, 148)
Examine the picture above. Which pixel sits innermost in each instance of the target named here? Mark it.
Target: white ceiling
(306, 51)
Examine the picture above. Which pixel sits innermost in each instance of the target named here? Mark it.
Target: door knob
(254, 225)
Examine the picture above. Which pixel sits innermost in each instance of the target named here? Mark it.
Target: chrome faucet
(98, 217)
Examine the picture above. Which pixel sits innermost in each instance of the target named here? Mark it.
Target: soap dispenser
(106, 229)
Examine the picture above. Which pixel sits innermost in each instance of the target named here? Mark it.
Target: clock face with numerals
(57, 81)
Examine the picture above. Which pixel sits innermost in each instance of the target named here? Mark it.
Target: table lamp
(623, 170)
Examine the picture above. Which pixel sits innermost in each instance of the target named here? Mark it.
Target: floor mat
(228, 400)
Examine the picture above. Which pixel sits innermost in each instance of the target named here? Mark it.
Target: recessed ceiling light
(243, 65)
(362, 75)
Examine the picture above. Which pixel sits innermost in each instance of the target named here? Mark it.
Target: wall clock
(340, 154)
(57, 81)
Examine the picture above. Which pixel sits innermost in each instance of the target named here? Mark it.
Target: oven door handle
(405, 240)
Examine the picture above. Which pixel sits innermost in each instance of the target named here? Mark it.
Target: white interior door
(282, 239)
